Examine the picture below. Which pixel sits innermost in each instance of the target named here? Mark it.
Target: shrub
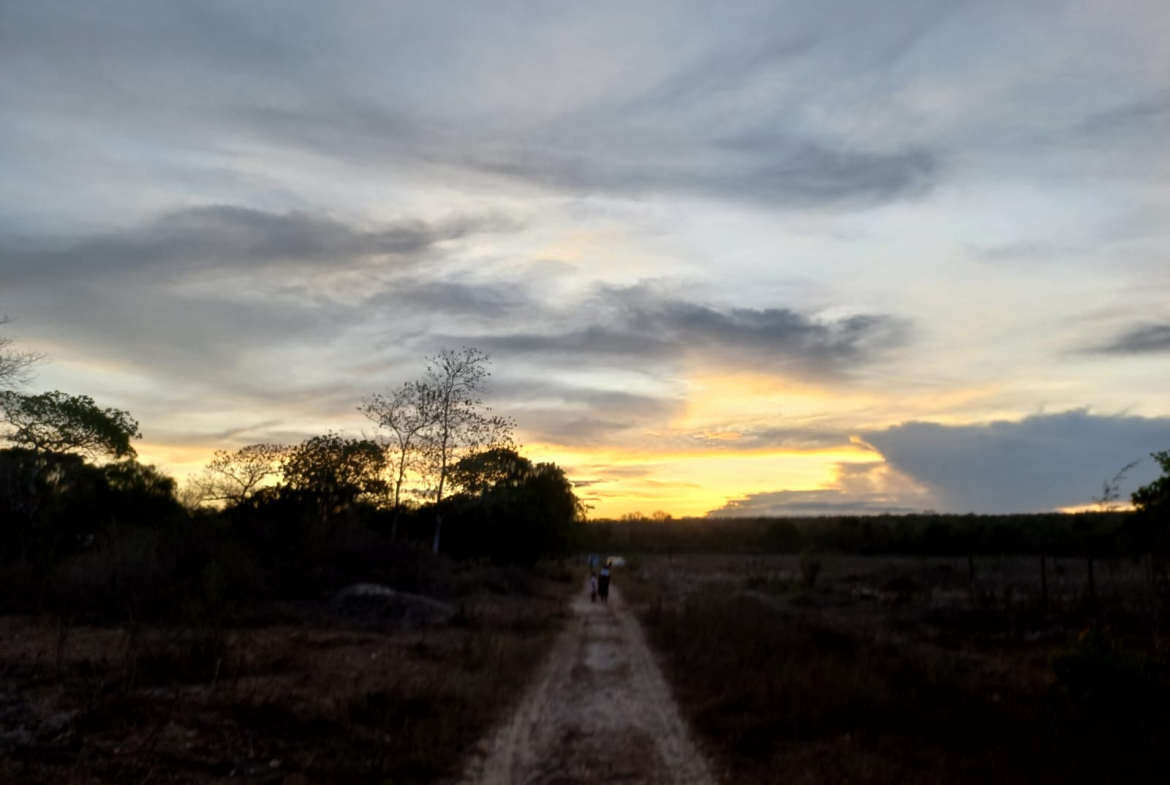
(810, 568)
(1105, 693)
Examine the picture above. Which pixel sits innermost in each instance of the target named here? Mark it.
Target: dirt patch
(319, 700)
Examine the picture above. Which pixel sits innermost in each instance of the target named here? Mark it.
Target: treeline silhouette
(1104, 534)
(87, 530)
(113, 540)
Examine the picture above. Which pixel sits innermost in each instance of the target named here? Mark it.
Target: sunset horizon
(777, 260)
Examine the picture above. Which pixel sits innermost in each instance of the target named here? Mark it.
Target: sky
(727, 258)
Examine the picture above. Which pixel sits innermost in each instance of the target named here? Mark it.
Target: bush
(1105, 693)
(810, 568)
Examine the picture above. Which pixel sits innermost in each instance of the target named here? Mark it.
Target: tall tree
(404, 417)
(15, 364)
(458, 423)
(1150, 529)
(50, 426)
(337, 471)
(232, 477)
(62, 423)
(491, 469)
(511, 510)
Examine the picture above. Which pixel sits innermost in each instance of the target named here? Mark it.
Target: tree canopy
(490, 470)
(232, 477)
(63, 423)
(1150, 530)
(337, 468)
(15, 364)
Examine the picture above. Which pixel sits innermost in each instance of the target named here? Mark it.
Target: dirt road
(599, 711)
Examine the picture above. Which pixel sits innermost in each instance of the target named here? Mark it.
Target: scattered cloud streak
(1139, 340)
(233, 238)
(638, 325)
(810, 503)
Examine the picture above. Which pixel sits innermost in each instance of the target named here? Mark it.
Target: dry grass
(303, 698)
(888, 671)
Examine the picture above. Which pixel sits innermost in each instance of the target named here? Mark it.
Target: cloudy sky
(738, 257)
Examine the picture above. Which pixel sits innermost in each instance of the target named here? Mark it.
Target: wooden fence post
(1044, 584)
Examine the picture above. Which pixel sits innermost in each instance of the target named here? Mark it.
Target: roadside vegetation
(291, 614)
(915, 649)
(797, 695)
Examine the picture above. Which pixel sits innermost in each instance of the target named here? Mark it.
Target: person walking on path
(603, 583)
(592, 586)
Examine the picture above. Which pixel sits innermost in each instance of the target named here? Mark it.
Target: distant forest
(1103, 534)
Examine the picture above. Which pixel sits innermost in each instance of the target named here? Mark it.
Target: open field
(305, 693)
(903, 670)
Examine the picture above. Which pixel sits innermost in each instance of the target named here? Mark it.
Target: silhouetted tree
(232, 477)
(56, 423)
(60, 503)
(1149, 530)
(62, 423)
(15, 364)
(336, 471)
(403, 414)
(458, 424)
(511, 510)
(490, 470)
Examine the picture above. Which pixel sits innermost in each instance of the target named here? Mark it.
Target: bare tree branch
(458, 422)
(15, 365)
(232, 477)
(401, 413)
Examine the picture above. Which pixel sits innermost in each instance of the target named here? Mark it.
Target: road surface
(599, 711)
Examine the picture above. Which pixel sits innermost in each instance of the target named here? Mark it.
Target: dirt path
(599, 711)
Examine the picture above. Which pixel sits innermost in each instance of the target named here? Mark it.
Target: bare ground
(599, 708)
(301, 698)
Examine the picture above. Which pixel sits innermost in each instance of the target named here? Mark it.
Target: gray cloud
(1039, 463)
(688, 120)
(810, 503)
(775, 170)
(582, 416)
(1017, 252)
(230, 237)
(1141, 339)
(751, 438)
(1147, 113)
(638, 325)
(459, 296)
(782, 105)
(193, 336)
(210, 295)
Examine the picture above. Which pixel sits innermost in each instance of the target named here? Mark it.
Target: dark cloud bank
(1140, 339)
(231, 237)
(636, 325)
(811, 503)
(1037, 464)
